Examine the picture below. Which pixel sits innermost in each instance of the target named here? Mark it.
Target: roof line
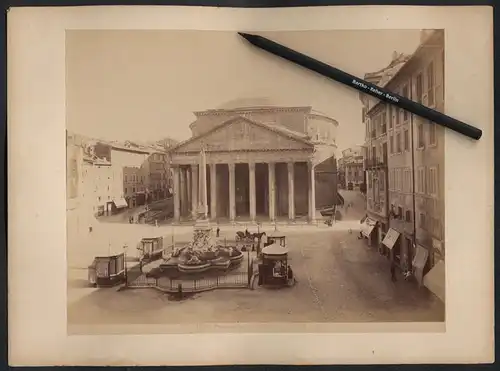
(232, 119)
(410, 60)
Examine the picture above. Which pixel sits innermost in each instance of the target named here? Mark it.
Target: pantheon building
(263, 163)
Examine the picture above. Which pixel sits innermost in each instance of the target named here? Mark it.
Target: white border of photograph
(37, 218)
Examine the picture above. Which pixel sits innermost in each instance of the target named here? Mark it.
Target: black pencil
(361, 85)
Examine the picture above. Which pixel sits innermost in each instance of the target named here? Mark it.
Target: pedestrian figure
(156, 222)
(393, 271)
(218, 232)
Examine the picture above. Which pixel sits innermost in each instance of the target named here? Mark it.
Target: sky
(145, 85)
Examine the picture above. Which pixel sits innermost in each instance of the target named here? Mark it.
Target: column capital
(231, 166)
(290, 165)
(251, 165)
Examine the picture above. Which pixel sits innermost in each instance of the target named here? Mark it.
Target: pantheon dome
(256, 102)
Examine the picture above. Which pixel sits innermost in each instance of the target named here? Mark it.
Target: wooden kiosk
(106, 271)
(276, 238)
(151, 248)
(274, 269)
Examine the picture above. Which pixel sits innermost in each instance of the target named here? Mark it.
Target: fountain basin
(198, 268)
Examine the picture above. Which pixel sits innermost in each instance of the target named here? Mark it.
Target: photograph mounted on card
(207, 195)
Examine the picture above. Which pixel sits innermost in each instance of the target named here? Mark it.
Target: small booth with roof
(107, 271)
(151, 248)
(276, 238)
(274, 269)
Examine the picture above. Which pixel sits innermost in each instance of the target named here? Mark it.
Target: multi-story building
(106, 177)
(375, 117)
(353, 167)
(341, 173)
(415, 158)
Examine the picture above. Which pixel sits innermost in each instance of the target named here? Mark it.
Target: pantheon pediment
(243, 134)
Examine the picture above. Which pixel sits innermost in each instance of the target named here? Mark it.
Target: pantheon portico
(260, 162)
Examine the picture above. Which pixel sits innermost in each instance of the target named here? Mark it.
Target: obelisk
(202, 220)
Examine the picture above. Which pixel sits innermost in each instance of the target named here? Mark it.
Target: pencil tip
(246, 36)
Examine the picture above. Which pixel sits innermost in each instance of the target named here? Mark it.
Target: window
(422, 221)
(398, 180)
(390, 112)
(406, 94)
(133, 189)
(381, 181)
(432, 134)
(383, 123)
(391, 144)
(408, 216)
(396, 115)
(430, 84)
(391, 179)
(418, 88)
(407, 140)
(400, 212)
(432, 186)
(421, 180)
(407, 186)
(99, 198)
(125, 178)
(398, 142)
(420, 135)
(363, 114)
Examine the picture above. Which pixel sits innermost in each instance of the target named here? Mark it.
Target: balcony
(379, 162)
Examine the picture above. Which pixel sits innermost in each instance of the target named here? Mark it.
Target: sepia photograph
(208, 182)
(181, 193)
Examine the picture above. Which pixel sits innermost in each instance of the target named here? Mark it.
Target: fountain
(203, 253)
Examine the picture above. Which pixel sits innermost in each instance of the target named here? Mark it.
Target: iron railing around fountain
(231, 280)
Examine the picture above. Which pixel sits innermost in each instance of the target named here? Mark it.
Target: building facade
(261, 162)
(105, 177)
(341, 173)
(413, 154)
(352, 166)
(375, 117)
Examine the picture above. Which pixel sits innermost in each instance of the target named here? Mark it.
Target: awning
(120, 203)
(420, 257)
(435, 280)
(367, 227)
(419, 262)
(391, 238)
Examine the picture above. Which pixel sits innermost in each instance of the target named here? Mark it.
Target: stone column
(272, 191)
(291, 191)
(194, 191)
(188, 187)
(251, 169)
(312, 192)
(182, 191)
(177, 204)
(232, 192)
(213, 191)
